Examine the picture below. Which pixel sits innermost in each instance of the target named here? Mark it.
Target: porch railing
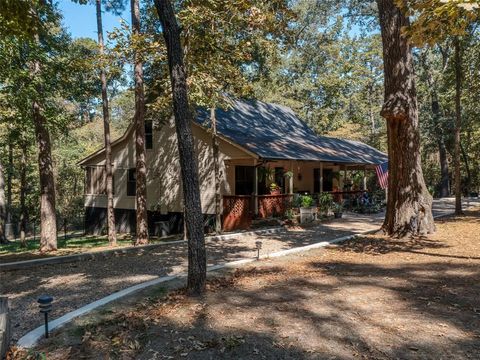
(273, 205)
(238, 210)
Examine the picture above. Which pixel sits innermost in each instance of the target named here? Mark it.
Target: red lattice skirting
(236, 212)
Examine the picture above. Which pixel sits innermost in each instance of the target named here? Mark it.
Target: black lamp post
(45, 302)
(258, 244)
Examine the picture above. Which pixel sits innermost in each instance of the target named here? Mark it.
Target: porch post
(290, 180)
(321, 177)
(344, 177)
(255, 186)
(365, 178)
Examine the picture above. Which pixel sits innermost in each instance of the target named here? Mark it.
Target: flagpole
(386, 185)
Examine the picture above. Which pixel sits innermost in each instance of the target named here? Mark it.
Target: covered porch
(264, 188)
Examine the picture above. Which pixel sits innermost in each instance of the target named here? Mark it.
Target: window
(244, 180)
(95, 180)
(148, 134)
(88, 180)
(131, 182)
(327, 180)
(280, 178)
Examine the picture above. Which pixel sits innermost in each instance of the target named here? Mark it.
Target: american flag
(382, 174)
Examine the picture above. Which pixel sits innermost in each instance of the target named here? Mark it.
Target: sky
(81, 21)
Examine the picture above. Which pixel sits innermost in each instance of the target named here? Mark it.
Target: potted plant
(337, 210)
(287, 174)
(325, 202)
(307, 209)
(275, 189)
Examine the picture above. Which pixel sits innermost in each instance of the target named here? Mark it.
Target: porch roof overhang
(274, 132)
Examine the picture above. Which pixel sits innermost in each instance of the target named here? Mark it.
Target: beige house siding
(163, 170)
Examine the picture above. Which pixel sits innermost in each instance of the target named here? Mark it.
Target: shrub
(337, 208)
(306, 201)
(325, 201)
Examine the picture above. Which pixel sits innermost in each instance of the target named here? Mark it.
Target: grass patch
(70, 243)
(74, 243)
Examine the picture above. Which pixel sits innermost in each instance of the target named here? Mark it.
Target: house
(252, 136)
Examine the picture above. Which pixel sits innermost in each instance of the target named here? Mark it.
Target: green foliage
(225, 43)
(18, 19)
(435, 69)
(274, 186)
(325, 201)
(331, 78)
(306, 201)
(67, 89)
(436, 20)
(266, 173)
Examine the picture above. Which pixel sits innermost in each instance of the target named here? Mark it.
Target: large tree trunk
(444, 172)
(9, 183)
(458, 126)
(197, 264)
(409, 205)
(23, 191)
(3, 240)
(216, 171)
(467, 169)
(442, 150)
(371, 114)
(141, 166)
(48, 216)
(112, 236)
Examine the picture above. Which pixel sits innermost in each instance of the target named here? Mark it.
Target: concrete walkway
(76, 284)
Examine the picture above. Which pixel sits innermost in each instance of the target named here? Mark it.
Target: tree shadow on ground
(327, 309)
(78, 283)
(382, 245)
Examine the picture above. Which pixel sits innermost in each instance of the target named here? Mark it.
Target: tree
(435, 21)
(3, 240)
(48, 216)
(458, 125)
(216, 171)
(36, 73)
(23, 192)
(409, 205)
(139, 119)
(197, 262)
(112, 236)
(330, 77)
(434, 126)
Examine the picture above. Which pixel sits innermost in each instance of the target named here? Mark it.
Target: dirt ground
(373, 298)
(75, 284)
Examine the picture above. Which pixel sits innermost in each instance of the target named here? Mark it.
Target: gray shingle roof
(274, 132)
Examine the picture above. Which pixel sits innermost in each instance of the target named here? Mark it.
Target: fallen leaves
(345, 301)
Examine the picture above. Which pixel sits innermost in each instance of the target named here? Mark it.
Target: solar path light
(45, 302)
(258, 244)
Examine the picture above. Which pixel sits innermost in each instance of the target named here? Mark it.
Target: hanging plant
(266, 173)
(288, 174)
